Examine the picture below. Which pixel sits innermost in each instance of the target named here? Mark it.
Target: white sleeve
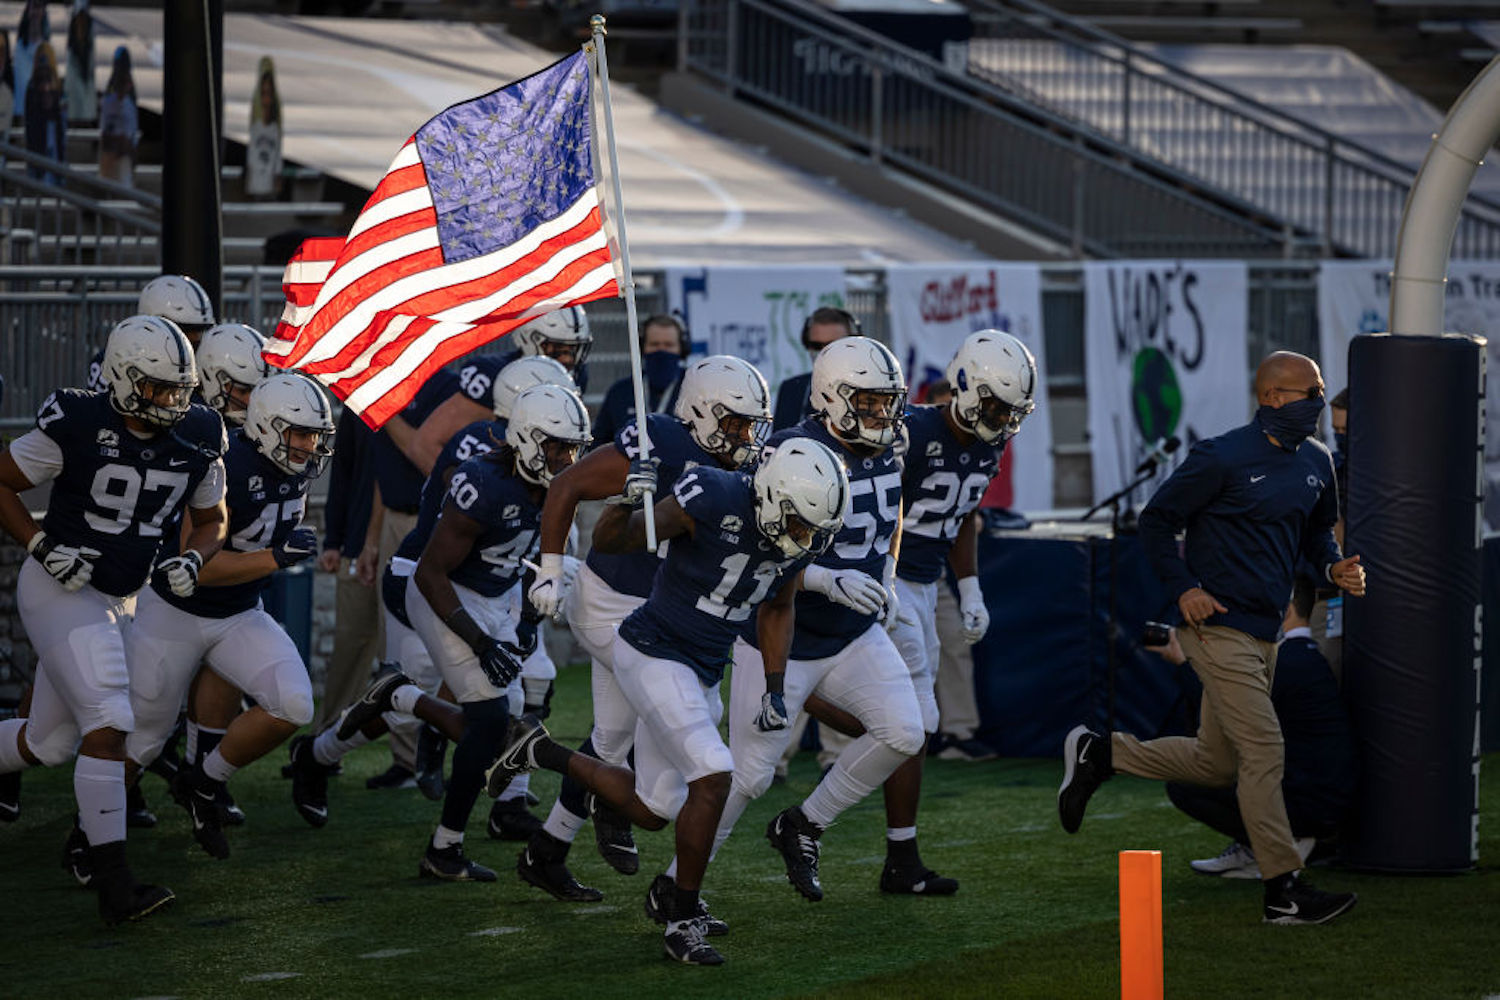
(39, 458)
(211, 489)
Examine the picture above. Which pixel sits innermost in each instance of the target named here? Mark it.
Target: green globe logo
(1155, 396)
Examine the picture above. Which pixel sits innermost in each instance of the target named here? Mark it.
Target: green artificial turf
(340, 912)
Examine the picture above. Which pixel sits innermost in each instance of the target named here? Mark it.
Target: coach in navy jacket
(1250, 501)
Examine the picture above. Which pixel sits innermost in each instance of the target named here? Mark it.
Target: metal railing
(51, 214)
(902, 108)
(1312, 179)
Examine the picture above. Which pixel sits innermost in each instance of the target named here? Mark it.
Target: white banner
(755, 313)
(933, 308)
(1354, 297)
(1166, 357)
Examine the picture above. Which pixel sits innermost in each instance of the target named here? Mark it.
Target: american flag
(488, 216)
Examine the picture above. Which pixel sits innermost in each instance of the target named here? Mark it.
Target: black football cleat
(795, 838)
(394, 776)
(543, 864)
(684, 942)
(75, 856)
(10, 797)
(511, 820)
(915, 881)
(204, 810)
(662, 888)
(374, 703)
(613, 836)
(121, 897)
(1293, 900)
(519, 755)
(309, 783)
(451, 865)
(1086, 757)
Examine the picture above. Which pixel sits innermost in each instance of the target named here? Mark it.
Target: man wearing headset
(665, 345)
(822, 328)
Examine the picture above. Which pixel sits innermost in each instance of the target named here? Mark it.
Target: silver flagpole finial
(597, 24)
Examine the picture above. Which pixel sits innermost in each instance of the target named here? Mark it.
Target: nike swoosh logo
(1256, 479)
(106, 812)
(323, 813)
(175, 462)
(1290, 911)
(1083, 755)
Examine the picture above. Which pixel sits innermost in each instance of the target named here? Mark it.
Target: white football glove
(546, 594)
(849, 587)
(772, 715)
(182, 572)
(641, 479)
(976, 617)
(70, 565)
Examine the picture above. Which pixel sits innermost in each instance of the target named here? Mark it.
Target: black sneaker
(511, 820)
(375, 702)
(1086, 767)
(796, 838)
(394, 776)
(684, 942)
(10, 797)
(202, 807)
(915, 881)
(309, 783)
(613, 836)
(121, 897)
(656, 907)
(432, 749)
(138, 815)
(230, 814)
(450, 865)
(968, 749)
(1293, 900)
(542, 863)
(519, 755)
(76, 856)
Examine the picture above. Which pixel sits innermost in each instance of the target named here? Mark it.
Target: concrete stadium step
(306, 184)
(25, 246)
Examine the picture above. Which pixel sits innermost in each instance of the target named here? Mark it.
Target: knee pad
(752, 786)
(56, 748)
(293, 696)
(904, 738)
(612, 747)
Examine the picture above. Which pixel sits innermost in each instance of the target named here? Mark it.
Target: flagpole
(627, 288)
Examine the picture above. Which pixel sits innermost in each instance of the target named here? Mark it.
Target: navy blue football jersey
(710, 584)
(580, 374)
(118, 493)
(500, 501)
(942, 484)
(265, 504)
(823, 627)
(479, 438)
(633, 572)
(476, 378)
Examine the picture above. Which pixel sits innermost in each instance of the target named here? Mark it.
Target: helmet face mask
(726, 406)
(548, 429)
(304, 449)
(562, 335)
(994, 420)
(875, 415)
(801, 493)
(231, 366)
(149, 367)
(290, 422)
(858, 388)
(994, 377)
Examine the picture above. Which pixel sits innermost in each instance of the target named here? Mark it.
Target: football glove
(976, 617)
(499, 662)
(641, 479)
(546, 593)
(70, 565)
(301, 544)
(772, 712)
(182, 572)
(849, 587)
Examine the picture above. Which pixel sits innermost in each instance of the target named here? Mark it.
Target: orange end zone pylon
(1142, 976)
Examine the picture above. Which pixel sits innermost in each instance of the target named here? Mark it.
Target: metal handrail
(1297, 148)
(150, 227)
(106, 187)
(869, 121)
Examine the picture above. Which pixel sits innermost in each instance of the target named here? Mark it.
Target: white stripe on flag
(423, 347)
(353, 323)
(307, 272)
(394, 207)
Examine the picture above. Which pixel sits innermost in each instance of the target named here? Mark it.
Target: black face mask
(1293, 423)
(1341, 442)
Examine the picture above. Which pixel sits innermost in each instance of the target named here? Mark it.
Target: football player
(722, 415)
(951, 454)
(457, 598)
(125, 465)
(284, 444)
(739, 543)
(841, 649)
(313, 757)
(171, 296)
(562, 335)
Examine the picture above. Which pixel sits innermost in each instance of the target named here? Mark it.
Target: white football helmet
(726, 406)
(179, 299)
(287, 402)
(228, 357)
(857, 382)
(523, 373)
(556, 334)
(548, 429)
(801, 493)
(149, 367)
(994, 378)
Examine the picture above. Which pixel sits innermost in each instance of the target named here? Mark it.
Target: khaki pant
(356, 643)
(1239, 739)
(394, 528)
(958, 711)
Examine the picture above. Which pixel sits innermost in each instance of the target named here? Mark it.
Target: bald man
(1251, 501)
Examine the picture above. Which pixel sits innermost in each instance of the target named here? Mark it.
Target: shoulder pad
(202, 430)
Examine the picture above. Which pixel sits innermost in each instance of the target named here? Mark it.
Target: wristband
(775, 682)
(968, 587)
(463, 625)
(551, 563)
(39, 541)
